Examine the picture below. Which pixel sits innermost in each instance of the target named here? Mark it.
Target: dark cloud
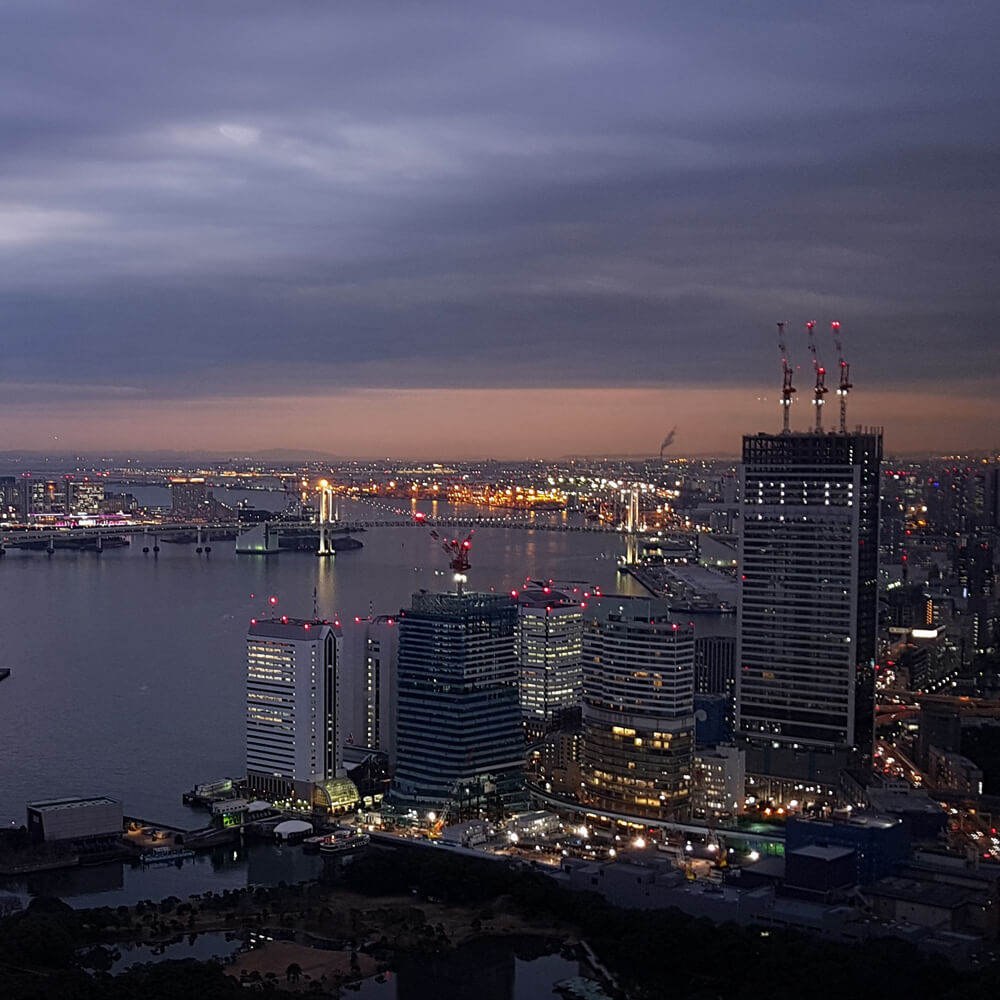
(434, 194)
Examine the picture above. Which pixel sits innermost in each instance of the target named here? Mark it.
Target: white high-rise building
(292, 703)
(719, 784)
(550, 655)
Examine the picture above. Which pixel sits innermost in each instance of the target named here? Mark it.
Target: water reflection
(483, 970)
(121, 884)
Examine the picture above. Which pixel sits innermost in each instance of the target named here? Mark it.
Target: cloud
(195, 198)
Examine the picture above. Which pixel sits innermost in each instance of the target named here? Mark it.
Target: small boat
(161, 855)
(343, 842)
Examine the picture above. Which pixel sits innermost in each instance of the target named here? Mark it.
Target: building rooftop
(290, 628)
(914, 891)
(75, 803)
(450, 605)
(823, 853)
(855, 820)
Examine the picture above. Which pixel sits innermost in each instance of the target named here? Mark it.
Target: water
(202, 947)
(488, 969)
(128, 670)
(126, 883)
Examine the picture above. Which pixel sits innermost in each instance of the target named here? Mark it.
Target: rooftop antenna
(820, 389)
(315, 606)
(786, 374)
(845, 376)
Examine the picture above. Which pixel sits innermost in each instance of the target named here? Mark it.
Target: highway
(560, 803)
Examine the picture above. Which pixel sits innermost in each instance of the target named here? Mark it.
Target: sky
(493, 229)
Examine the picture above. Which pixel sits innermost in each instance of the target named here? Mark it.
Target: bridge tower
(631, 509)
(327, 516)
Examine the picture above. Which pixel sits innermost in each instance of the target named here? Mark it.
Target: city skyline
(341, 230)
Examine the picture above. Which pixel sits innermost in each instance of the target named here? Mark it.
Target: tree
(293, 973)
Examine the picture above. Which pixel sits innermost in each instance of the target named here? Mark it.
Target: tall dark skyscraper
(807, 614)
(459, 737)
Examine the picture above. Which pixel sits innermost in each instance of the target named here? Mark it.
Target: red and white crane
(845, 376)
(459, 552)
(820, 389)
(786, 374)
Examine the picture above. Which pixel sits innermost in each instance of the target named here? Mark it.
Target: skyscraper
(191, 499)
(85, 496)
(292, 735)
(459, 739)
(550, 651)
(807, 611)
(368, 684)
(638, 707)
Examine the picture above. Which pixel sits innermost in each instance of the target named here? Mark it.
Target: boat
(162, 855)
(343, 842)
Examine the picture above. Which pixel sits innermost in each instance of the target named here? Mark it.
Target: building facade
(191, 499)
(44, 497)
(368, 684)
(719, 784)
(85, 497)
(807, 610)
(11, 499)
(638, 707)
(550, 654)
(459, 739)
(293, 742)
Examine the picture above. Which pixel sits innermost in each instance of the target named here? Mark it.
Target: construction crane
(845, 376)
(459, 552)
(786, 373)
(820, 389)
